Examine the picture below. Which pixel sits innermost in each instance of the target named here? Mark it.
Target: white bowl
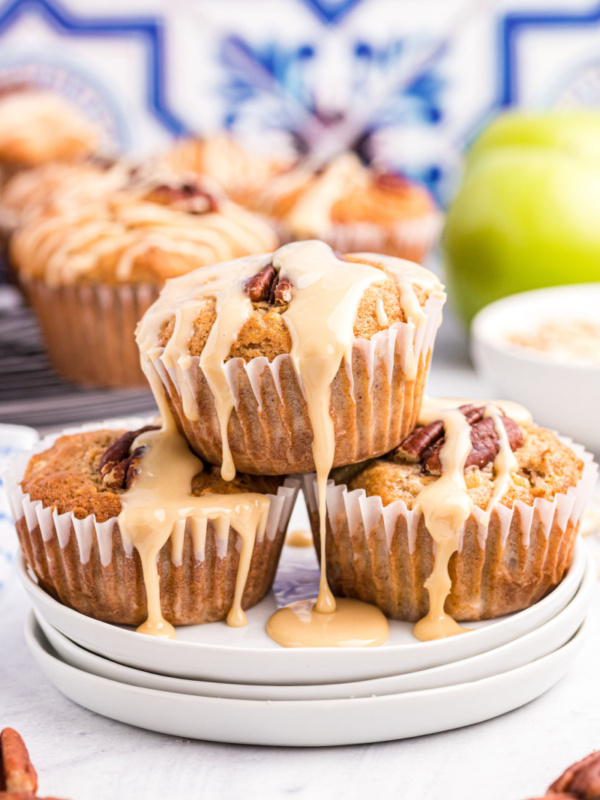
(561, 394)
(215, 652)
(538, 643)
(304, 723)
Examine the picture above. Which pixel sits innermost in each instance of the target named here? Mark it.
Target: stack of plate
(237, 685)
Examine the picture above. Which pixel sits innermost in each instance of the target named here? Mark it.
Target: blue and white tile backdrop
(409, 82)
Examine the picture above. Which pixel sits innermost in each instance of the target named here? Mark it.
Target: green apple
(527, 214)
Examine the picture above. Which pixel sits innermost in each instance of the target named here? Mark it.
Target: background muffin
(38, 126)
(66, 501)
(353, 208)
(92, 266)
(242, 173)
(377, 380)
(380, 550)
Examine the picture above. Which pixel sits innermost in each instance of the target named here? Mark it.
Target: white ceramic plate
(540, 642)
(247, 655)
(561, 393)
(304, 723)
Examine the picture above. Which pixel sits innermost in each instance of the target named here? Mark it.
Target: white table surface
(82, 756)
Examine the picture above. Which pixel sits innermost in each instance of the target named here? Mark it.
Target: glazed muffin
(353, 208)
(243, 173)
(91, 268)
(38, 126)
(271, 360)
(512, 547)
(58, 187)
(66, 502)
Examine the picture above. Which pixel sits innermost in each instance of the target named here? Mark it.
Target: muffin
(243, 173)
(38, 125)
(269, 361)
(523, 492)
(59, 187)
(352, 208)
(68, 504)
(91, 267)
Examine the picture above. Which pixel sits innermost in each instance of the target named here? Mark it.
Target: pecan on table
(581, 781)
(18, 778)
(118, 466)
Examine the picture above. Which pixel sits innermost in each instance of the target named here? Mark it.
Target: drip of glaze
(321, 326)
(446, 505)
(160, 501)
(299, 538)
(353, 624)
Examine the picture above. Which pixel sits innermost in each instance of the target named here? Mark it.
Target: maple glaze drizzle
(320, 319)
(446, 505)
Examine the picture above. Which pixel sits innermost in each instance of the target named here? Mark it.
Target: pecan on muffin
(269, 361)
(92, 267)
(68, 502)
(519, 495)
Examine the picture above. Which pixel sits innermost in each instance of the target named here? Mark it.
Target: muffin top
(544, 466)
(86, 473)
(153, 228)
(37, 125)
(58, 187)
(272, 288)
(343, 192)
(240, 171)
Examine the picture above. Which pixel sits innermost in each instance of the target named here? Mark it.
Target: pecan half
(581, 781)
(186, 197)
(390, 181)
(17, 773)
(484, 444)
(268, 288)
(118, 466)
(425, 443)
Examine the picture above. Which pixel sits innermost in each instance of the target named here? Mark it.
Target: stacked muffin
(242, 358)
(290, 362)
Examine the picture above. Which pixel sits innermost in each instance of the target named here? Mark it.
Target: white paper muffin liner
(85, 564)
(412, 238)
(89, 329)
(375, 402)
(384, 554)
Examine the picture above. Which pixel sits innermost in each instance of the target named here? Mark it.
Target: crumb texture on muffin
(68, 477)
(265, 333)
(546, 467)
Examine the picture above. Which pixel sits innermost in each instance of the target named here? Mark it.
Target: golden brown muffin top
(344, 191)
(68, 477)
(38, 125)
(242, 172)
(265, 332)
(546, 467)
(149, 229)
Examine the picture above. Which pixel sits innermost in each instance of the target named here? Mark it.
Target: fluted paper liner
(411, 239)
(384, 554)
(374, 403)
(89, 329)
(85, 564)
